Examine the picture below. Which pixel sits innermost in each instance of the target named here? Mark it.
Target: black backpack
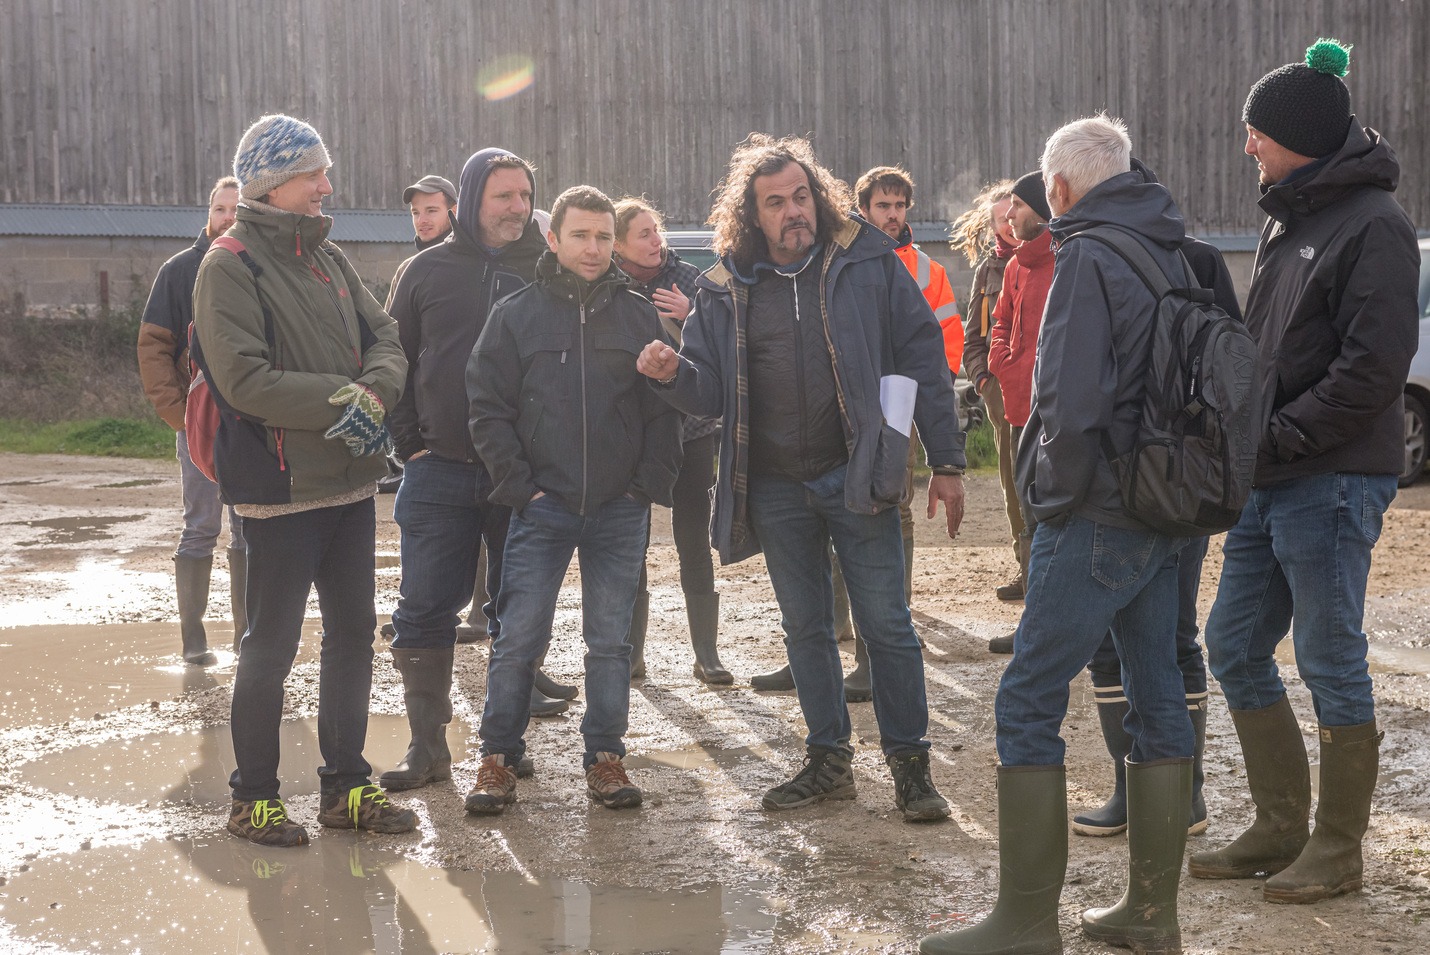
(1189, 472)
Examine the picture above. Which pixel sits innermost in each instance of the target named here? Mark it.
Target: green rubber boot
(1331, 863)
(1279, 777)
(1032, 861)
(1159, 801)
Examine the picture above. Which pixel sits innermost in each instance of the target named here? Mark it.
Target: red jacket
(933, 282)
(1013, 343)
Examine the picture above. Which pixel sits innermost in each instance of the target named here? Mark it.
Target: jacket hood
(469, 191)
(1364, 159)
(1134, 200)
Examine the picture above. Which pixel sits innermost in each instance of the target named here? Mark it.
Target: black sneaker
(826, 775)
(913, 788)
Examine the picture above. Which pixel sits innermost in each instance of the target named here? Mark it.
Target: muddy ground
(114, 756)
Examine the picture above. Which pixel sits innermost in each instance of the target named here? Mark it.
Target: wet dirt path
(114, 758)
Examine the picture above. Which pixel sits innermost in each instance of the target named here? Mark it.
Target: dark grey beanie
(1030, 189)
(1304, 106)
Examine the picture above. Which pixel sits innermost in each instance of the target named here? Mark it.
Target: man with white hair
(1092, 566)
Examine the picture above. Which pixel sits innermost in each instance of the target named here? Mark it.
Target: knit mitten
(361, 426)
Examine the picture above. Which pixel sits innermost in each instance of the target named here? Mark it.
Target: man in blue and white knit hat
(294, 342)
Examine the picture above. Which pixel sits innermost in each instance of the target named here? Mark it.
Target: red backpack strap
(230, 243)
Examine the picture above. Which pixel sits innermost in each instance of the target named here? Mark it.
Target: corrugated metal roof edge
(52, 220)
(349, 225)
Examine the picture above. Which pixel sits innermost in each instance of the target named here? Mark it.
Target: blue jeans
(1106, 667)
(444, 515)
(1085, 578)
(796, 522)
(203, 511)
(539, 545)
(330, 548)
(1300, 555)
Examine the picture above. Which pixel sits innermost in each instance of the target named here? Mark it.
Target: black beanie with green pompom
(1305, 106)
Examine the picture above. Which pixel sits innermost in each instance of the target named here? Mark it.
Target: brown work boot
(1013, 590)
(495, 788)
(265, 822)
(608, 784)
(364, 807)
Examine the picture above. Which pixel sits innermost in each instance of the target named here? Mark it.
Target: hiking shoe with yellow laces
(608, 784)
(265, 822)
(495, 788)
(364, 807)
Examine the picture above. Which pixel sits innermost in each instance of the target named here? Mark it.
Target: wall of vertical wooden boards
(144, 101)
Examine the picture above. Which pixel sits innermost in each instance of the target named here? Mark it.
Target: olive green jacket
(328, 331)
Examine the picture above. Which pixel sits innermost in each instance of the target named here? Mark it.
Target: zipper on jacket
(584, 426)
(337, 303)
(799, 377)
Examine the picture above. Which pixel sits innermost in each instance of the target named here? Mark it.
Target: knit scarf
(643, 274)
(1002, 249)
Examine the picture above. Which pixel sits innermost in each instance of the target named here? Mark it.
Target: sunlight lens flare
(505, 77)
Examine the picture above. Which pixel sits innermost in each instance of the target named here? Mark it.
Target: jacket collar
(1364, 160)
(564, 283)
(288, 234)
(1037, 252)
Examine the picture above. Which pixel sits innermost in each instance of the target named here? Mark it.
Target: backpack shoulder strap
(1131, 250)
(231, 244)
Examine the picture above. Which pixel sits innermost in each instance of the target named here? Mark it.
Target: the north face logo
(1308, 253)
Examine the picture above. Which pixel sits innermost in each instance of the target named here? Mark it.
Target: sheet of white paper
(896, 397)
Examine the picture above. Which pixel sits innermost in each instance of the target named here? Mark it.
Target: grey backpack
(1189, 472)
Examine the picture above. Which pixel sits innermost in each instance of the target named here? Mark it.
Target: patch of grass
(979, 447)
(104, 437)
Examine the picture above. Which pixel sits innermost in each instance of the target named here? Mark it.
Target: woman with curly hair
(983, 235)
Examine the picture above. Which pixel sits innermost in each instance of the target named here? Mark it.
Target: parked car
(1417, 386)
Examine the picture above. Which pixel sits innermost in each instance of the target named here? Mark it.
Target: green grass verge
(979, 447)
(104, 437)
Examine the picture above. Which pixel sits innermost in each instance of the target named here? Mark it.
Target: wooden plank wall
(143, 101)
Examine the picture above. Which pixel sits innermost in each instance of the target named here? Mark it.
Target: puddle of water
(73, 530)
(343, 894)
(697, 757)
(137, 482)
(193, 767)
(26, 482)
(60, 673)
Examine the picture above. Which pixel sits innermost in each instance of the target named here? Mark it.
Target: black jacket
(1092, 352)
(1333, 309)
(440, 302)
(556, 402)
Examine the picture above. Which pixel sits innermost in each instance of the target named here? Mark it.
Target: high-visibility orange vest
(933, 282)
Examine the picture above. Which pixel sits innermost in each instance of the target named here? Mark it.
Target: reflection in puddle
(55, 674)
(73, 530)
(344, 894)
(194, 767)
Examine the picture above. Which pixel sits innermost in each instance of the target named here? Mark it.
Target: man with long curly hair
(805, 337)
